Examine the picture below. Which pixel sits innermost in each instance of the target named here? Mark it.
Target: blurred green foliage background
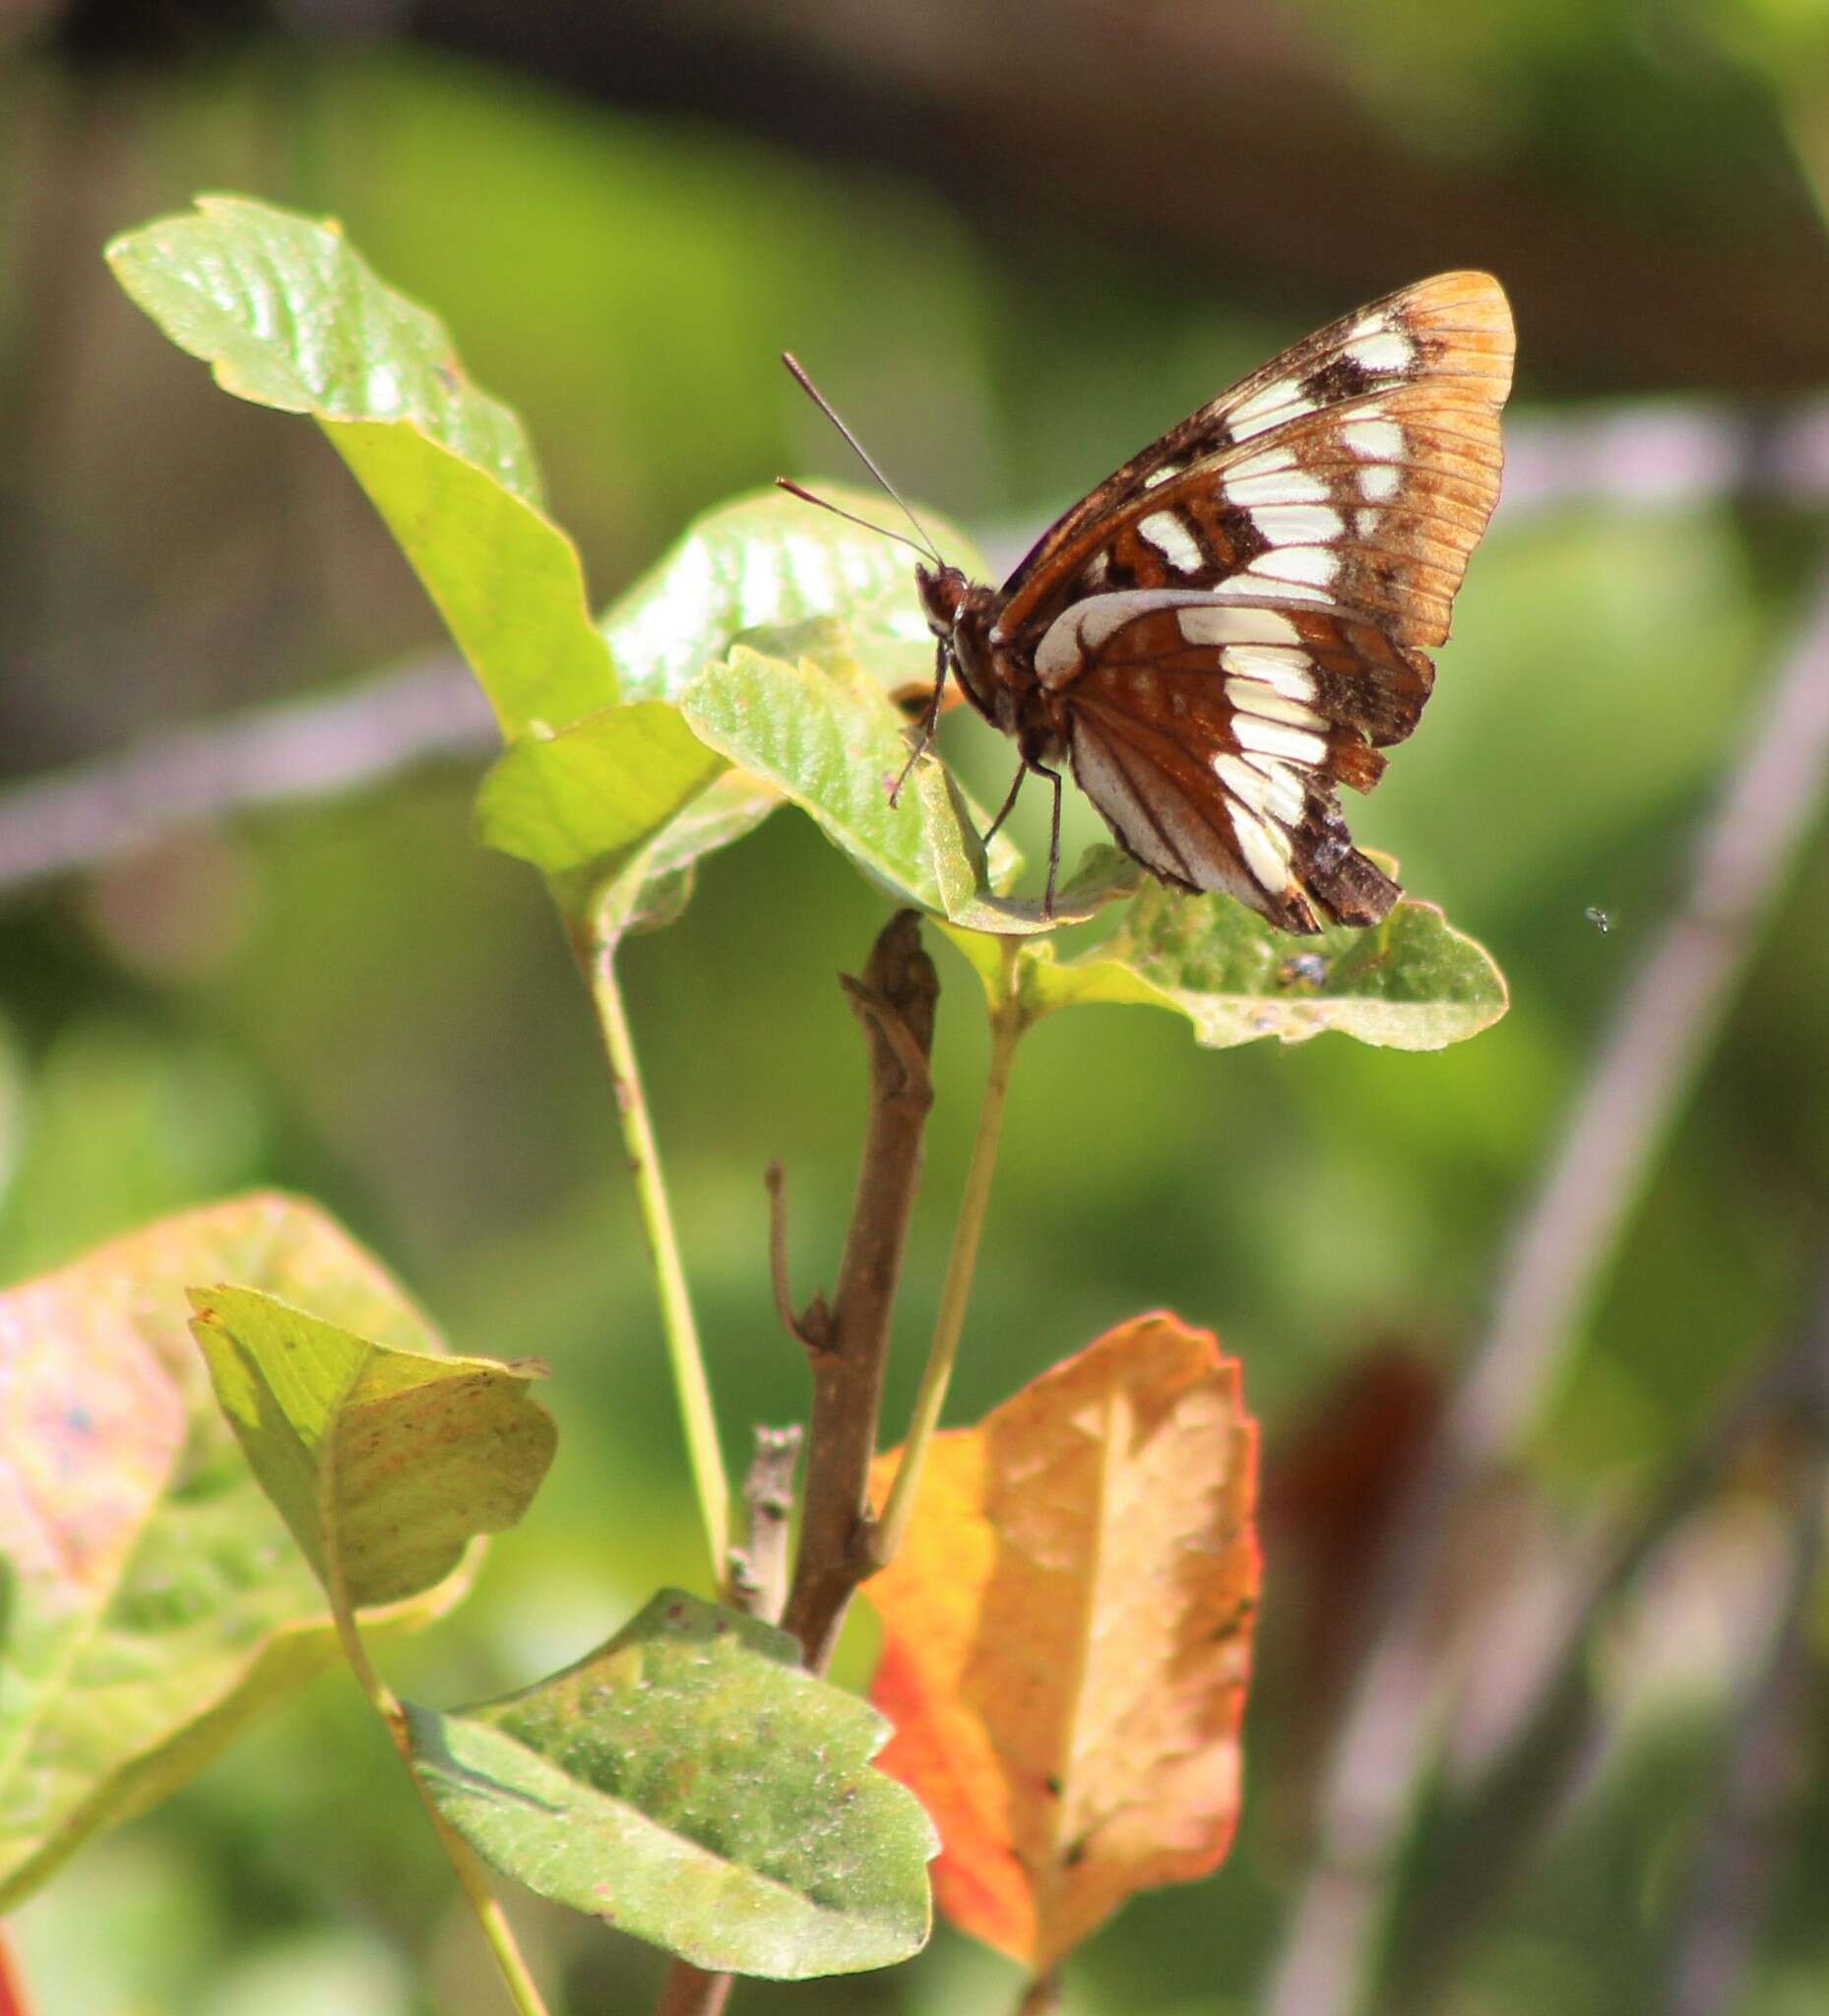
(1010, 263)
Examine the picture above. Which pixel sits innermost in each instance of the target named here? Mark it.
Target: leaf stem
(1007, 1024)
(677, 1318)
(465, 1863)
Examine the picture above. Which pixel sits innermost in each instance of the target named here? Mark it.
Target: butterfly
(1238, 620)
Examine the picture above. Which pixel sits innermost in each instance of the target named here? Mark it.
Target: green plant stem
(682, 1333)
(1007, 1024)
(465, 1863)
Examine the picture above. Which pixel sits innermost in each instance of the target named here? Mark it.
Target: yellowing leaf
(1067, 1637)
(385, 1463)
(152, 1601)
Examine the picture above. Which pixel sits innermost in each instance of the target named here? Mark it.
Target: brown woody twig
(811, 1326)
(848, 1346)
(895, 1002)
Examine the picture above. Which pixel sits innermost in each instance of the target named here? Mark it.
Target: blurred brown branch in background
(1715, 1928)
(1660, 1033)
(1565, 1721)
(1642, 457)
(429, 710)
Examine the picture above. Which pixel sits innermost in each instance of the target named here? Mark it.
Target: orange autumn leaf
(1067, 1637)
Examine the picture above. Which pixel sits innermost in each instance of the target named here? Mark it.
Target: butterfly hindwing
(1212, 739)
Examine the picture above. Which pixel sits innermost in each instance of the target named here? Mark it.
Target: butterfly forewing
(1389, 413)
(1232, 623)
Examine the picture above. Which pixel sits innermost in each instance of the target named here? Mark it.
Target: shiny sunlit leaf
(769, 561)
(828, 739)
(289, 315)
(774, 572)
(820, 731)
(598, 792)
(1067, 1637)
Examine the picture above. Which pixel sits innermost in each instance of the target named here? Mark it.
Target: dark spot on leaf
(1076, 1853)
(1052, 1782)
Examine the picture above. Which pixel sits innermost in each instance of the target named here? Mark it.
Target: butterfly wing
(1236, 622)
(1360, 467)
(1212, 737)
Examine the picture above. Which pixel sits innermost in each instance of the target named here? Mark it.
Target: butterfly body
(1237, 620)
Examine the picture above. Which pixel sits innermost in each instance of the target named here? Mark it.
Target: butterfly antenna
(862, 454)
(794, 489)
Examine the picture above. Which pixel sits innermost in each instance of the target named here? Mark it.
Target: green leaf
(1410, 984)
(152, 1603)
(767, 561)
(385, 1463)
(780, 575)
(693, 1785)
(828, 739)
(599, 791)
(287, 315)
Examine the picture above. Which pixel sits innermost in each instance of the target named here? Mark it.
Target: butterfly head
(944, 592)
(959, 613)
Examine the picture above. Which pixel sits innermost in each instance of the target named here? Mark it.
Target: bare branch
(1660, 1033)
(425, 712)
(812, 1326)
(1559, 1730)
(896, 1004)
(1714, 1934)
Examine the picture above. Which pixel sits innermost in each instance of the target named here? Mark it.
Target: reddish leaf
(1068, 1636)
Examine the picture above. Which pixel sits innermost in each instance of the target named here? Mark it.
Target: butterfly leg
(1009, 804)
(929, 723)
(1053, 839)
